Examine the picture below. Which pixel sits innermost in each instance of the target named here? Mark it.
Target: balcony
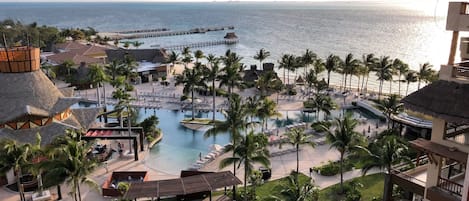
(457, 73)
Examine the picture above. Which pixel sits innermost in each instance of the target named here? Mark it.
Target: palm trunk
(284, 75)
(363, 81)
(400, 74)
(214, 93)
(366, 84)
(345, 83)
(297, 161)
(387, 192)
(390, 87)
(245, 180)
(328, 78)
(192, 103)
(98, 93)
(59, 193)
(418, 86)
(358, 86)
(78, 189)
(104, 95)
(234, 165)
(350, 82)
(18, 182)
(288, 78)
(379, 89)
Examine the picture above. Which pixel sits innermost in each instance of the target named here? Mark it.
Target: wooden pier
(142, 31)
(200, 44)
(150, 33)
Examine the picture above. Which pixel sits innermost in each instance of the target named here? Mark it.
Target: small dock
(151, 33)
(200, 44)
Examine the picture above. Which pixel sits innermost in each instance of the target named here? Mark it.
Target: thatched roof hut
(442, 99)
(32, 104)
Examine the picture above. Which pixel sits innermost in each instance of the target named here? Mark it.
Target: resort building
(77, 53)
(32, 104)
(150, 62)
(440, 175)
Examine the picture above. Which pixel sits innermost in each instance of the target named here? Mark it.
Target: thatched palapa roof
(150, 55)
(442, 99)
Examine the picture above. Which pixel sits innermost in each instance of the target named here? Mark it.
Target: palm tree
(261, 56)
(391, 106)
(114, 69)
(172, 58)
(410, 76)
(295, 190)
(307, 59)
(198, 54)
(72, 162)
(323, 103)
(350, 65)
(252, 106)
(128, 68)
(17, 157)
(331, 65)
(231, 77)
(265, 83)
(319, 66)
(311, 79)
(191, 79)
(68, 64)
(267, 109)
(297, 137)
(251, 149)
(211, 74)
(289, 63)
(369, 62)
(97, 76)
(186, 56)
(425, 73)
(344, 139)
(383, 72)
(235, 122)
(126, 44)
(402, 70)
(383, 154)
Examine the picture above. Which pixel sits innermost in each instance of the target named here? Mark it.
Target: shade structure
(182, 186)
(430, 147)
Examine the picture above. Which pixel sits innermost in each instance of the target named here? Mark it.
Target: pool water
(180, 146)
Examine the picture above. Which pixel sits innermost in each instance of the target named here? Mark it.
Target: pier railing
(200, 44)
(149, 33)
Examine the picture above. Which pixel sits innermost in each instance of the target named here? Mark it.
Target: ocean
(411, 35)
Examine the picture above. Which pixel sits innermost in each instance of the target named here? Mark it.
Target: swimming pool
(181, 146)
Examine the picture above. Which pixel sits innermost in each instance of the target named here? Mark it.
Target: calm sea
(414, 37)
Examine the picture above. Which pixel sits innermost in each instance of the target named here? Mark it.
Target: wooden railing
(450, 186)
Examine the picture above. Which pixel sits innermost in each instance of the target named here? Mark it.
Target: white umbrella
(216, 147)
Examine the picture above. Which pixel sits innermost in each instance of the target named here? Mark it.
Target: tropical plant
(211, 74)
(18, 157)
(391, 106)
(137, 44)
(230, 76)
(70, 161)
(289, 63)
(266, 110)
(235, 122)
(295, 190)
(331, 65)
(384, 153)
(425, 73)
(383, 71)
(344, 139)
(402, 69)
(410, 76)
(369, 62)
(261, 56)
(114, 69)
(297, 137)
(349, 68)
(251, 149)
(311, 79)
(307, 59)
(319, 66)
(323, 103)
(67, 65)
(97, 76)
(198, 54)
(191, 79)
(252, 106)
(126, 44)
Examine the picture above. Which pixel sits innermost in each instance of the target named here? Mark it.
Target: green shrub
(129, 87)
(329, 169)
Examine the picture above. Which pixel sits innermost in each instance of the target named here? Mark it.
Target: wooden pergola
(182, 186)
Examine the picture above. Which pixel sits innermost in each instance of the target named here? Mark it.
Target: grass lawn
(372, 187)
(274, 187)
(202, 121)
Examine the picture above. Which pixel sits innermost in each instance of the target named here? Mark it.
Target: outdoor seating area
(216, 150)
(109, 187)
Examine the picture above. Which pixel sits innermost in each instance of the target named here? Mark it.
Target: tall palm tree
(68, 64)
(391, 106)
(383, 154)
(114, 69)
(323, 103)
(369, 62)
(17, 157)
(265, 83)
(261, 56)
(186, 56)
(331, 65)
(97, 76)
(252, 105)
(344, 139)
(289, 63)
(198, 54)
(319, 66)
(72, 162)
(383, 72)
(307, 59)
(235, 122)
(191, 79)
(311, 79)
(410, 76)
(425, 73)
(402, 70)
(350, 65)
(251, 149)
(212, 74)
(128, 70)
(297, 137)
(172, 58)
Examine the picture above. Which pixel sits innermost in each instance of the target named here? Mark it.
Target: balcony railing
(461, 71)
(450, 186)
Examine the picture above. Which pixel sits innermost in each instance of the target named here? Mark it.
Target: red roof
(95, 133)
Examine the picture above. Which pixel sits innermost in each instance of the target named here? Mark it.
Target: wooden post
(135, 149)
(454, 44)
(6, 51)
